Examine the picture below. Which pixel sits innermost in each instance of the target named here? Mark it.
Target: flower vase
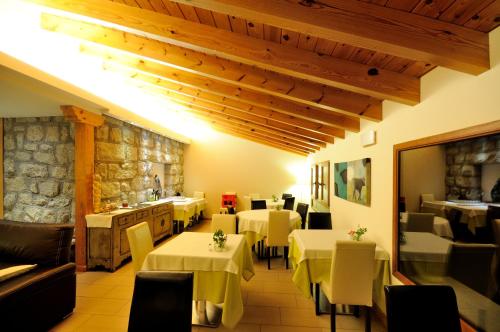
(219, 246)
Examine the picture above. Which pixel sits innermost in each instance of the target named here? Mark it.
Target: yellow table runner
(217, 275)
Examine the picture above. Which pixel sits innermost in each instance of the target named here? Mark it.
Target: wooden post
(85, 122)
(1, 168)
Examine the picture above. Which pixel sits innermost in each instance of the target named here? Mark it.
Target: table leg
(206, 314)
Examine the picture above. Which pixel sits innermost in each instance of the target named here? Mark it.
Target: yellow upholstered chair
(247, 203)
(226, 222)
(351, 277)
(277, 233)
(141, 243)
(426, 198)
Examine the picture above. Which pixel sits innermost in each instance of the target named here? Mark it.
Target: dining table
(217, 274)
(254, 224)
(441, 226)
(275, 204)
(310, 254)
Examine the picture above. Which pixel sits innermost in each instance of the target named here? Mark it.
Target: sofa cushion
(30, 243)
(14, 271)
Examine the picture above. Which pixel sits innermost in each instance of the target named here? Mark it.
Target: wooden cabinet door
(161, 224)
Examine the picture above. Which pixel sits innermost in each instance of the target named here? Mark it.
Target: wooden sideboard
(109, 247)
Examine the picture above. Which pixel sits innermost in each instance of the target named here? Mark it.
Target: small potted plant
(275, 199)
(356, 234)
(219, 240)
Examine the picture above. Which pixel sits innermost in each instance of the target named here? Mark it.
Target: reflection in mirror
(449, 222)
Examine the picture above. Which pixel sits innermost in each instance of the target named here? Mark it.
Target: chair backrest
(289, 202)
(247, 203)
(426, 198)
(320, 220)
(302, 210)
(351, 272)
(254, 196)
(226, 222)
(486, 234)
(420, 222)
(140, 242)
(231, 210)
(459, 229)
(198, 194)
(278, 228)
(161, 298)
(259, 204)
(412, 308)
(284, 196)
(471, 264)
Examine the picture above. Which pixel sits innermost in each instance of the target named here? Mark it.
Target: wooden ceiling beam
(249, 131)
(258, 140)
(178, 81)
(368, 26)
(251, 118)
(344, 74)
(263, 130)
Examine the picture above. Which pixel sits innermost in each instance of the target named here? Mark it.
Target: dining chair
(416, 308)
(284, 196)
(226, 222)
(289, 203)
(351, 277)
(420, 222)
(461, 232)
(161, 301)
(426, 198)
(140, 242)
(259, 204)
(434, 210)
(485, 234)
(277, 233)
(246, 203)
(254, 196)
(302, 211)
(471, 264)
(320, 220)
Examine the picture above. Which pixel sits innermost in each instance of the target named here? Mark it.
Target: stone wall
(39, 170)
(463, 166)
(123, 162)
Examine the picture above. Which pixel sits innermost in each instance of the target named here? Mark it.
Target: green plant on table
(356, 234)
(219, 239)
(275, 199)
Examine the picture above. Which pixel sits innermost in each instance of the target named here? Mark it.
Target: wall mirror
(447, 218)
(320, 186)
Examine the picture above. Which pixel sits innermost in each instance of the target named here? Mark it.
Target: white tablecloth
(186, 208)
(254, 224)
(217, 274)
(274, 205)
(311, 256)
(441, 225)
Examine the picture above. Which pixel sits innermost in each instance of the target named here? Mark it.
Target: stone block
(9, 201)
(102, 133)
(17, 214)
(479, 158)
(65, 153)
(137, 183)
(64, 134)
(33, 213)
(155, 156)
(22, 155)
(52, 134)
(46, 147)
(9, 143)
(48, 217)
(128, 136)
(26, 120)
(19, 129)
(39, 200)
(34, 170)
(20, 140)
(49, 188)
(110, 189)
(459, 158)
(24, 198)
(34, 133)
(63, 218)
(144, 167)
(8, 123)
(58, 172)
(110, 152)
(469, 170)
(34, 187)
(116, 135)
(112, 170)
(144, 154)
(450, 180)
(124, 174)
(130, 153)
(68, 189)
(132, 198)
(9, 168)
(129, 166)
(44, 157)
(146, 140)
(59, 202)
(30, 146)
(167, 158)
(124, 187)
(102, 170)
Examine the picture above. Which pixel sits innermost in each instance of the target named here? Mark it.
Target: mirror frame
(490, 128)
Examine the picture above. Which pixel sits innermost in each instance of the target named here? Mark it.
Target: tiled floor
(272, 303)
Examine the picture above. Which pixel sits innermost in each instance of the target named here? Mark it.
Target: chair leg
(268, 258)
(333, 313)
(368, 323)
(316, 298)
(285, 253)
(356, 311)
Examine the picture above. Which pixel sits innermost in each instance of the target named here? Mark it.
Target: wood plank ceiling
(291, 74)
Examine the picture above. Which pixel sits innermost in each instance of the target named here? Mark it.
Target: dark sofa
(39, 298)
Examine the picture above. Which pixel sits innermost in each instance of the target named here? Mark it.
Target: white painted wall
(221, 163)
(423, 171)
(450, 101)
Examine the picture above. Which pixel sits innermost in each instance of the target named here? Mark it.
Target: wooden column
(85, 123)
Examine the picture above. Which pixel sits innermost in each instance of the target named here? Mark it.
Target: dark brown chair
(461, 232)
(302, 210)
(289, 203)
(486, 234)
(162, 300)
(421, 308)
(259, 204)
(320, 220)
(285, 196)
